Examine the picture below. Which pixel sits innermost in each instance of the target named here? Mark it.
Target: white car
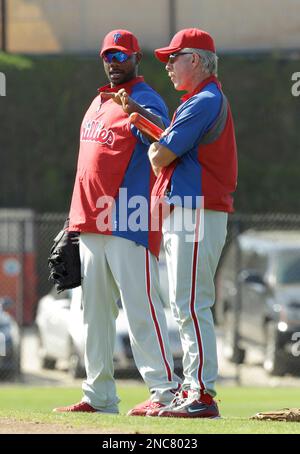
(10, 345)
(60, 326)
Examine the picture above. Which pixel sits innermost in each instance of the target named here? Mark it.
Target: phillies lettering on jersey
(94, 131)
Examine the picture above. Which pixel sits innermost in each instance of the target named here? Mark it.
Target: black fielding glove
(64, 260)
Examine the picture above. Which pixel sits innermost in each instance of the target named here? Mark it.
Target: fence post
(3, 25)
(2, 345)
(21, 280)
(237, 230)
(172, 18)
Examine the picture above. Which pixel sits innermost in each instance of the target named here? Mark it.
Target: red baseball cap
(189, 37)
(120, 40)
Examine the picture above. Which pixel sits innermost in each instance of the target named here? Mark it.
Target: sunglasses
(172, 57)
(121, 57)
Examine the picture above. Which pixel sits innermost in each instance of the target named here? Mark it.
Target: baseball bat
(145, 126)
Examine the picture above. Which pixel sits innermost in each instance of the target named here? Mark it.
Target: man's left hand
(160, 157)
(129, 106)
(151, 155)
(121, 97)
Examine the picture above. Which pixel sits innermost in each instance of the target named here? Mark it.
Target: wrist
(132, 106)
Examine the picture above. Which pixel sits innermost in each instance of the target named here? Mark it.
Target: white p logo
(2, 84)
(2, 345)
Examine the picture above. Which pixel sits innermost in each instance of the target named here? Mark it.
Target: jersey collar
(127, 85)
(200, 87)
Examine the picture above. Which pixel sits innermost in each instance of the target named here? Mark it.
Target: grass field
(29, 410)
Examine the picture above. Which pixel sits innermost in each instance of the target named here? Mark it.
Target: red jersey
(113, 157)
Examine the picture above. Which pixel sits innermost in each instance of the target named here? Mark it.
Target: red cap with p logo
(122, 40)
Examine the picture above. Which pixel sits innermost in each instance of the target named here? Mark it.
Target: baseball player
(196, 164)
(119, 256)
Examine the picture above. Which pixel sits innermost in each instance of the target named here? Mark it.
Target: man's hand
(151, 154)
(121, 97)
(160, 157)
(129, 106)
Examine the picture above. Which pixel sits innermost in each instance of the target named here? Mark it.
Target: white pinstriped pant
(191, 266)
(115, 267)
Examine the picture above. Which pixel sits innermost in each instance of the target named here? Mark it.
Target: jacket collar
(200, 87)
(127, 85)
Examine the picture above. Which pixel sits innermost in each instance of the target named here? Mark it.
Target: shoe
(82, 407)
(149, 406)
(145, 407)
(204, 407)
(179, 397)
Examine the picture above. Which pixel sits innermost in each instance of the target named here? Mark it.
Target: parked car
(259, 298)
(9, 342)
(60, 328)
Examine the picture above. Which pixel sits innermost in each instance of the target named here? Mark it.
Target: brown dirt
(14, 426)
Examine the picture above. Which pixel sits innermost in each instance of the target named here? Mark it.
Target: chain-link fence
(25, 240)
(258, 291)
(257, 288)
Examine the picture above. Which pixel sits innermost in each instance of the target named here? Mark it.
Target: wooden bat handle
(145, 126)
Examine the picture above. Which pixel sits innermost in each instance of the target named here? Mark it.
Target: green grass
(15, 61)
(27, 404)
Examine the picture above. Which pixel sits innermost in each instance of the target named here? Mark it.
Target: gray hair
(209, 59)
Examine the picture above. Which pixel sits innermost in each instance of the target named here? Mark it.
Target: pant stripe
(154, 318)
(193, 298)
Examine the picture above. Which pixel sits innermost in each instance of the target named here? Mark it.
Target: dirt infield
(14, 426)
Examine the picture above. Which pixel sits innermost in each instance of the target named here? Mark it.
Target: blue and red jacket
(201, 170)
(113, 156)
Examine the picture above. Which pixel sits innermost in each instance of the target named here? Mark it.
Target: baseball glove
(64, 260)
(286, 414)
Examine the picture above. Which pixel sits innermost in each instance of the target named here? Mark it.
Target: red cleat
(81, 407)
(179, 397)
(191, 409)
(145, 407)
